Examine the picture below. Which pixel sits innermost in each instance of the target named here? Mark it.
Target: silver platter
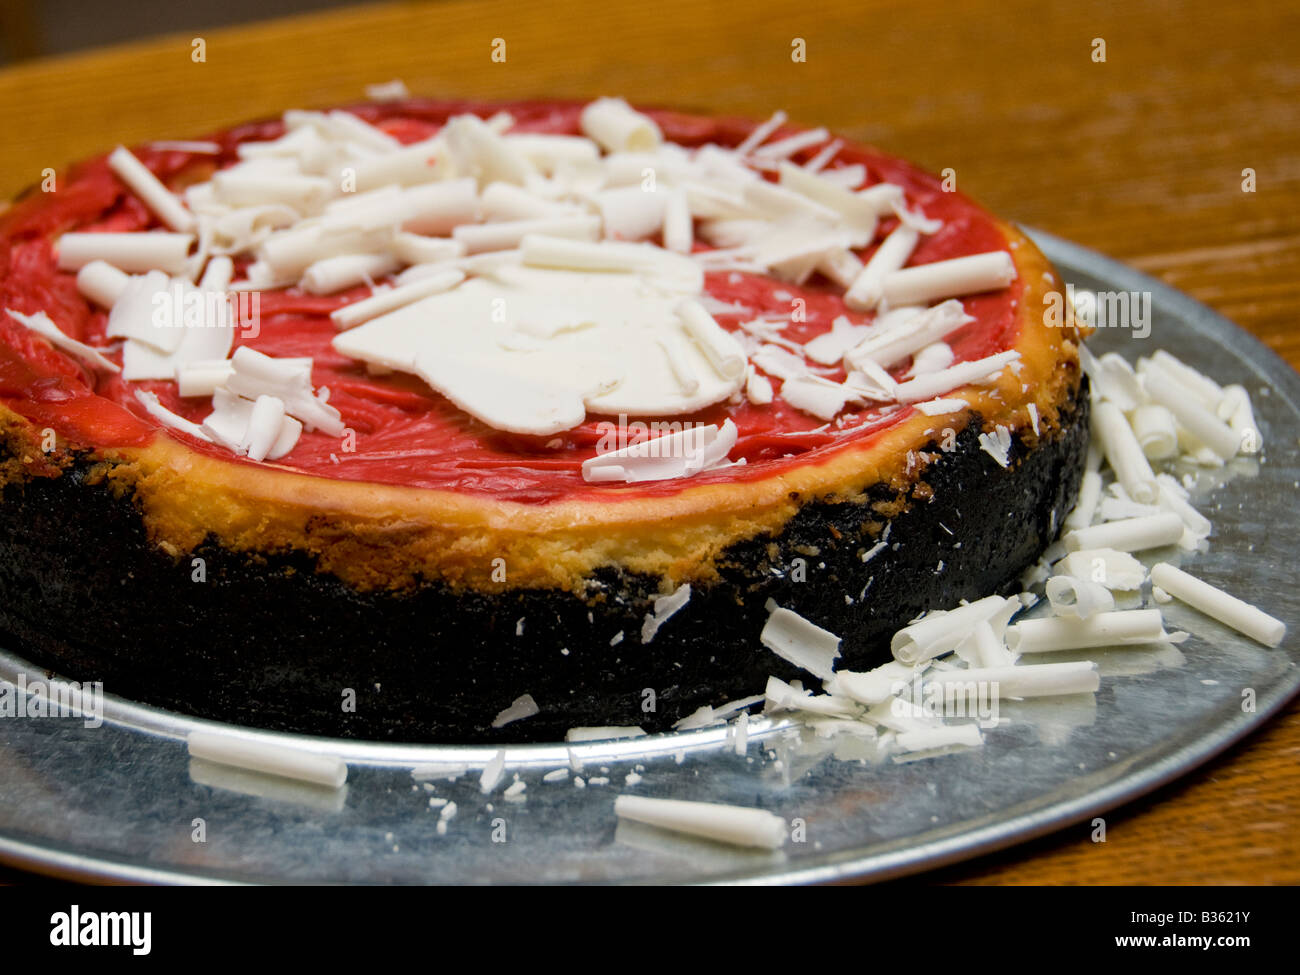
(121, 801)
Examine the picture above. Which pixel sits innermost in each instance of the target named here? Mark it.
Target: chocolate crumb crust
(269, 641)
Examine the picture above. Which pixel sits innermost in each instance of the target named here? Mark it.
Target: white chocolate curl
(736, 825)
(891, 345)
(893, 253)
(201, 378)
(859, 212)
(1078, 598)
(1204, 389)
(949, 279)
(717, 344)
(1156, 431)
(1165, 389)
(130, 252)
(1033, 680)
(1237, 410)
(1124, 453)
(332, 274)
(244, 188)
(41, 324)
(1112, 569)
(1086, 505)
(102, 283)
(506, 201)
(944, 736)
(548, 152)
(383, 302)
(620, 128)
(1228, 609)
(1173, 498)
(1118, 382)
(939, 633)
(162, 202)
(1129, 534)
(508, 234)
(218, 274)
(1118, 628)
(679, 228)
(418, 249)
(292, 763)
(935, 383)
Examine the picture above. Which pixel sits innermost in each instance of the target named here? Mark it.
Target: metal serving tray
(123, 801)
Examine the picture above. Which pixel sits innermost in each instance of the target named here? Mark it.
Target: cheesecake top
(746, 292)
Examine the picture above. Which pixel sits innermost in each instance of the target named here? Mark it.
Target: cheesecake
(439, 421)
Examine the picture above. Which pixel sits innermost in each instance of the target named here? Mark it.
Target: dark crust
(272, 643)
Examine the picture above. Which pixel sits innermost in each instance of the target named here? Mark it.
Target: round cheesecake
(423, 560)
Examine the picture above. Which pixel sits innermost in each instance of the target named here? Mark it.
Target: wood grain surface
(1140, 156)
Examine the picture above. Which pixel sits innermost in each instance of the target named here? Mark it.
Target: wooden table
(1140, 156)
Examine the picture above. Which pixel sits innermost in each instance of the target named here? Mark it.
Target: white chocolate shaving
(1199, 421)
(1078, 598)
(1031, 680)
(288, 380)
(942, 407)
(1086, 504)
(1105, 566)
(492, 772)
(735, 825)
(718, 346)
(787, 147)
(382, 302)
(761, 133)
(631, 213)
(1212, 601)
(601, 733)
(102, 283)
(164, 204)
(202, 377)
(130, 252)
(1128, 534)
(550, 152)
(510, 233)
(166, 417)
(1117, 628)
(522, 707)
(1124, 453)
(618, 127)
(935, 383)
(801, 642)
(1118, 382)
(673, 455)
(830, 347)
(1202, 386)
(1237, 410)
(820, 397)
(333, 274)
(939, 632)
(952, 278)
(857, 211)
(758, 389)
(663, 608)
(678, 228)
(909, 334)
(944, 736)
(41, 324)
(285, 761)
(419, 249)
(893, 253)
(1156, 431)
